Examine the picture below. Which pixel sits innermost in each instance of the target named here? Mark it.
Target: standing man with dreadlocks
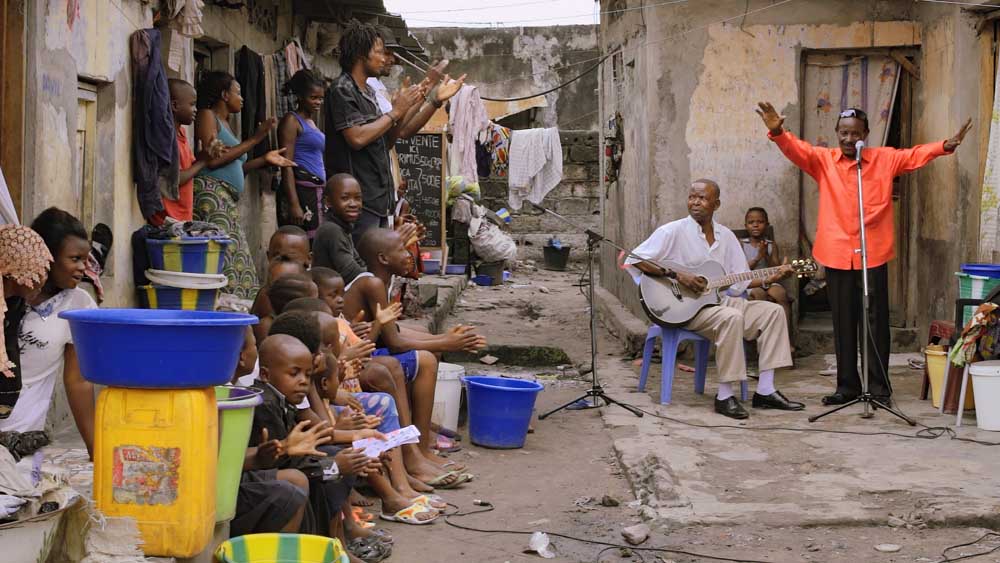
(359, 134)
(838, 235)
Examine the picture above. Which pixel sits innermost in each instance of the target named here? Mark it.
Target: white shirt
(43, 339)
(381, 94)
(684, 242)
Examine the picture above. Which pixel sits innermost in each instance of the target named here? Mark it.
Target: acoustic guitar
(668, 302)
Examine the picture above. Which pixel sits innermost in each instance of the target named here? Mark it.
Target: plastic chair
(670, 341)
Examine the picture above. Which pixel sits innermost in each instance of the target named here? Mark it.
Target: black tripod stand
(596, 392)
(865, 398)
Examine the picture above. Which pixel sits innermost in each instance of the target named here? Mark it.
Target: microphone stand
(866, 398)
(596, 391)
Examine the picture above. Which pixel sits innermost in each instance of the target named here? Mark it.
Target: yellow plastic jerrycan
(155, 456)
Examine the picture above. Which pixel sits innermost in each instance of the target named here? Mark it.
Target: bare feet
(442, 462)
(417, 485)
(358, 499)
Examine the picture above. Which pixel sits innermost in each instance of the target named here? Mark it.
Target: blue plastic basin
(500, 410)
(157, 348)
(985, 270)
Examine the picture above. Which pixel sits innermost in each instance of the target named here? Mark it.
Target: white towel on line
(536, 165)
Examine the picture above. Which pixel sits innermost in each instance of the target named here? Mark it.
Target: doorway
(877, 82)
(12, 97)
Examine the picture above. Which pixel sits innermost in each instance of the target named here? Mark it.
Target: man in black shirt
(358, 134)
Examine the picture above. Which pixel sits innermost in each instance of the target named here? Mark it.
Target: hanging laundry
(499, 142)
(250, 75)
(154, 138)
(465, 120)
(8, 214)
(296, 57)
(536, 165)
(185, 18)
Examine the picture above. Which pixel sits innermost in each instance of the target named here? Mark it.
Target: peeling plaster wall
(63, 47)
(688, 90)
(515, 62)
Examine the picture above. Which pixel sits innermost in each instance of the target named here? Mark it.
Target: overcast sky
(486, 13)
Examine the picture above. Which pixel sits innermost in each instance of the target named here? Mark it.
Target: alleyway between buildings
(745, 495)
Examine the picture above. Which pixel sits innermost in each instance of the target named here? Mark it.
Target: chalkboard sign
(421, 164)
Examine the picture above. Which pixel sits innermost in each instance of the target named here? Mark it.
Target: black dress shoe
(732, 408)
(837, 399)
(776, 400)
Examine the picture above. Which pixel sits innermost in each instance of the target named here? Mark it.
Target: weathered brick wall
(577, 198)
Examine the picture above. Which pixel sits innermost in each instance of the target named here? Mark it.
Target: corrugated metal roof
(339, 11)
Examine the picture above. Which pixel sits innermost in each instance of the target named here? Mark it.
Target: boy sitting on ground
(425, 473)
(386, 257)
(286, 366)
(372, 410)
(333, 246)
(287, 252)
(268, 500)
(280, 292)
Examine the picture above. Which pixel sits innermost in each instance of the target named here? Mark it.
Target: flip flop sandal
(456, 466)
(370, 549)
(447, 445)
(383, 535)
(448, 432)
(436, 482)
(433, 501)
(409, 514)
(463, 478)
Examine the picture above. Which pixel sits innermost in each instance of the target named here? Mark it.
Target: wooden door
(12, 96)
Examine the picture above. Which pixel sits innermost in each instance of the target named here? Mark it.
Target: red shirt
(182, 208)
(838, 232)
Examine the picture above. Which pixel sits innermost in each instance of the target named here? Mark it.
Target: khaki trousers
(736, 320)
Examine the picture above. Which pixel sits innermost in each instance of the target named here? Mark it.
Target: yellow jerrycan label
(155, 461)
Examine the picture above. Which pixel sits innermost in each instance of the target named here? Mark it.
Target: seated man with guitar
(684, 265)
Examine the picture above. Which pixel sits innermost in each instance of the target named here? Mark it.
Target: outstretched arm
(908, 160)
(801, 153)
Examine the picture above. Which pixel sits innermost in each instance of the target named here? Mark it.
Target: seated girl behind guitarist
(762, 253)
(690, 242)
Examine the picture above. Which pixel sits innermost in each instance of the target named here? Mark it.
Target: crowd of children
(335, 366)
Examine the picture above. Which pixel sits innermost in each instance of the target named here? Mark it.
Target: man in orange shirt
(838, 235)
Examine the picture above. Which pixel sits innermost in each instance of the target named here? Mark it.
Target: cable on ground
(607, 546)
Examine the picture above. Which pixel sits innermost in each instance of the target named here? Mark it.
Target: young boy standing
(182, 102)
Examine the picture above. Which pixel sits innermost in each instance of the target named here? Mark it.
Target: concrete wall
(514, 62)
(61, 49)
(687, 89)
(577, 198)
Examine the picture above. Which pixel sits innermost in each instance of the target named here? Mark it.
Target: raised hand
(265, 127)
(303, 441)
(351, 461)
(772, 119)
(277, 158)
(389, 314)
(953, 143)
(449, 88)
(361, 328)
(360, 349)
(407, 233)
(268, 451)
(434, 73)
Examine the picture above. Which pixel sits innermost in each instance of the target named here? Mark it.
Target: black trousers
(845, 291)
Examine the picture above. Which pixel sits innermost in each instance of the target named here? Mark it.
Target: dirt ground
(570, 457)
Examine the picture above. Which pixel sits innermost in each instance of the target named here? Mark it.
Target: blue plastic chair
(671, 339)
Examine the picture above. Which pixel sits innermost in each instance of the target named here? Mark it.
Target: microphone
(857, 150)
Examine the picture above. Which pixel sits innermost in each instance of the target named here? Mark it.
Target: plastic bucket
(157, 349)
(236, 406)
(555, 258)
(492, 269)
(985, 270)
(986, 382)
(187, 280)
(197, 255)
(177, 298)
(500, 410)
(937, 363)
(448, 395)
(281, 548)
